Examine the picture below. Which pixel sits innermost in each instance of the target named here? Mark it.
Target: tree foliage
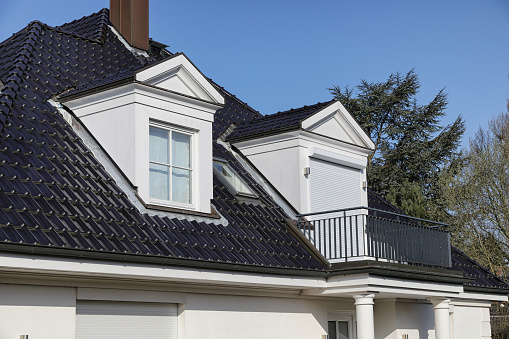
(478, 196)
(410, 144)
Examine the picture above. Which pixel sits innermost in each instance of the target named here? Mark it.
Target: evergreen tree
(409, 142)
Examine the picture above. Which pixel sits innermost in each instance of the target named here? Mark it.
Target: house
(139, 199)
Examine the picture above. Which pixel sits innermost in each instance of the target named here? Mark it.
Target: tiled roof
(275, 123)
(471, 269)
(55, 194)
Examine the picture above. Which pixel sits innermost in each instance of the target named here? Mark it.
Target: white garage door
(125, 320)
(333, 186)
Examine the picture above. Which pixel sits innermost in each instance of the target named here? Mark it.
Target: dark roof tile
(275, 123)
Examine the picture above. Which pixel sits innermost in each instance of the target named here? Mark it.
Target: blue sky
(276, 55)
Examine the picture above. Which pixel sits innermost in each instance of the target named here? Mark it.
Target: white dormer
(157, 127)
(319, 166)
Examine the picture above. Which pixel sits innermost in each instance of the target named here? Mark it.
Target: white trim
(337, 158)
(193, 191)
(115, 294)
(350, 126)
(181, 67)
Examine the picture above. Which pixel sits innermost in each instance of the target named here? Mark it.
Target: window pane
(181, 185)
(218, 166)
(332, 330)
(181, 147)
(159, 182)
(158, 145)
(343, 329)
(232, 178)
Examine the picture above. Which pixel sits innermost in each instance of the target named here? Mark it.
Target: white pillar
(442, 323)
(364, 314)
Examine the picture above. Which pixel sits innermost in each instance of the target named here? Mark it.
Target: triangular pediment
(179, 75)
(335, 122)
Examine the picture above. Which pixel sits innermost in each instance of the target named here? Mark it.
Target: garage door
(333, 186)
(125, 320)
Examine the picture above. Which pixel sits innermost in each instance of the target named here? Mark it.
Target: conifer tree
(410, 143)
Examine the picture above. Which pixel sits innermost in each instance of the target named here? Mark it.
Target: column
(442, 323)
(364, 314)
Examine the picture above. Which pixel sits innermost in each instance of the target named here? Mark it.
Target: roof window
(228, 176)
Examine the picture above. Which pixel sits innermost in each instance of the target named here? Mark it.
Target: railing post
(449, 261)
(346, 237)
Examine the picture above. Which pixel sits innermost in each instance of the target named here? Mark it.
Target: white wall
(282, 158)
(49, 313)
(471, 322)
(225, 317)
(39, 312)
(119, 119)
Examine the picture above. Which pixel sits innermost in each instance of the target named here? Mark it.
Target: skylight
(231, 178)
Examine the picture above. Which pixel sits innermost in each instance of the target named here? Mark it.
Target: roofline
(282, 129)
(332, 102)
(487, 290)
(395, 270)
(290, 129)
(377, 268)
(126, 81)
(158, 260)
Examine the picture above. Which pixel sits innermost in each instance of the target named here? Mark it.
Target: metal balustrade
(364, 233)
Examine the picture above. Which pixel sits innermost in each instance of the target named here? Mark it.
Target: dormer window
(231, 179)
(171, 169)
(156, 125)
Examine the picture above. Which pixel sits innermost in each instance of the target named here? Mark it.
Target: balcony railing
(364, 233)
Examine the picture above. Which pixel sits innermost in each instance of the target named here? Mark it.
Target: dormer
(315, 156)
(156, 124)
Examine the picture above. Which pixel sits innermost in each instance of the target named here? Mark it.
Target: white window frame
(193, 163)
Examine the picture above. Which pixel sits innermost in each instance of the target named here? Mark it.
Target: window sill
(213, 214)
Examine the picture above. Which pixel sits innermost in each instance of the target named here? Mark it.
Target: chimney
(130, 18)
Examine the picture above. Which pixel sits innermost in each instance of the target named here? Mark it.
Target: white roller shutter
(125, 320)
(333, 186)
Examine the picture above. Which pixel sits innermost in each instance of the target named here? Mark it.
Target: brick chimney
(130, 18)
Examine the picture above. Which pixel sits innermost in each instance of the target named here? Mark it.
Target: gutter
(393, 270)
(156, 260)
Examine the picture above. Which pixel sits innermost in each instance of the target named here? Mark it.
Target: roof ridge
(103, 23)
(11, 86)
(292, 110)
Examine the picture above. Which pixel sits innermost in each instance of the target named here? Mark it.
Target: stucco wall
(208, 316)
(49, 313)
(471, 322)
(39, 312)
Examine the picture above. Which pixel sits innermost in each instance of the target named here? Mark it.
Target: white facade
(41, 297)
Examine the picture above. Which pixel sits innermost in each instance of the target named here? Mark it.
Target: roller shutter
(125, 320)
(333, 186)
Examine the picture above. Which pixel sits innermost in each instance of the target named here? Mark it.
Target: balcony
(365, 233)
